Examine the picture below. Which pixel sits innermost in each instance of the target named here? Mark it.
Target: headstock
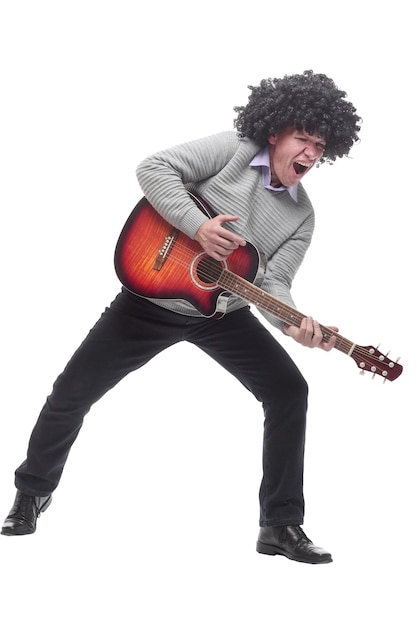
(370, 359)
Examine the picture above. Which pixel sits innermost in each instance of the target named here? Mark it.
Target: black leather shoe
(24, 514)
(292, 542)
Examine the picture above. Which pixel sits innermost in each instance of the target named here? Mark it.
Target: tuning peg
(373, 376)
(398, 358)
(362, 373)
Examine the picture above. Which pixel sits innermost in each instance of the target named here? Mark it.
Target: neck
(275, 182)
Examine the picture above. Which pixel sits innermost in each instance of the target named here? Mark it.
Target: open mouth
(300, 168)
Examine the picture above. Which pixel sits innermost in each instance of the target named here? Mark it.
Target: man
(252, 179)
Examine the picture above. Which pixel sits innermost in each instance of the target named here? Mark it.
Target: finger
(317, 337)
(328, 345)
(226, 242)
(226, 218)
(308, 327)
(317, 329)
(331, 343)
(228, 234)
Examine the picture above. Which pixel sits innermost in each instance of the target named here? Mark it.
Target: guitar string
(182, 259)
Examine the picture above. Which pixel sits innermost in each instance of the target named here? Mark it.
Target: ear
(273, 139)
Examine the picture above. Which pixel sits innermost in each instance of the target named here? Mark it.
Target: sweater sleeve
(163, 176)
(283, 266)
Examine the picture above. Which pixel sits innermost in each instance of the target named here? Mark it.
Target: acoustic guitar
(155, 260)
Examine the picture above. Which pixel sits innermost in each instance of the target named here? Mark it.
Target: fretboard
(264, 301)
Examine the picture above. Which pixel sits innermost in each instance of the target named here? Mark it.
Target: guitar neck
(264, 301)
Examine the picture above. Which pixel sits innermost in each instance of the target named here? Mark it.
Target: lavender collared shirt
(262, 160)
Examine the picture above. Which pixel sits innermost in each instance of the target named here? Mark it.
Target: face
(292, 154)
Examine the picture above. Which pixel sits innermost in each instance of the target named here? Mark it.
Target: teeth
(301, 166)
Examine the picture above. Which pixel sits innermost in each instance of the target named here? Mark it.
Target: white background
(156, 518)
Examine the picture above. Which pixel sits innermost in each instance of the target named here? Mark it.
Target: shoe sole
(264, 548)
(19, 531)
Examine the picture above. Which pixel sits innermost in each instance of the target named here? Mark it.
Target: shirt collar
(262, 160)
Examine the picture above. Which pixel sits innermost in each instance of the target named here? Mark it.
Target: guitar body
(155, 260)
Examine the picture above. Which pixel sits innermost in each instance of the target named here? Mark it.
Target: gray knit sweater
(217, 169)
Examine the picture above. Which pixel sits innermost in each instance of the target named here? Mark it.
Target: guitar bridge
(165, 249)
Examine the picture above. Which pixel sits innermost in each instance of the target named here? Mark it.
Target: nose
(312, 151)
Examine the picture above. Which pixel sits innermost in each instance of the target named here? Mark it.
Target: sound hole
(209, 270)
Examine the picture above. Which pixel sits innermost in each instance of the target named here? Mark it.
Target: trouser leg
(244, 347)
(128, 334)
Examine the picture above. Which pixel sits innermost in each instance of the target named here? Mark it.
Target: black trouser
(128, 334)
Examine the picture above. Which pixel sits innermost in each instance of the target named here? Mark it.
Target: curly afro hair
(306, 101)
